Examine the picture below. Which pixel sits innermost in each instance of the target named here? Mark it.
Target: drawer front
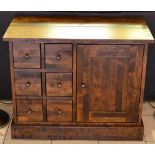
(59, 110)
(27, 83)
(59, 84)
(58, 57)
(26, 55)
(29, 110)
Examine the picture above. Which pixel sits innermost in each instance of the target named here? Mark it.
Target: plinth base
(77, 132)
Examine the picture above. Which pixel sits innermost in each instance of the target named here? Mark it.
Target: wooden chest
(78, 77)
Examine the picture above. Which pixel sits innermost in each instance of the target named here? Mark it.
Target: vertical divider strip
(74, 82)
(43, 82)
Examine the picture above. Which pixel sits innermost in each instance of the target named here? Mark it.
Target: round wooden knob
(59, 111)
(58, 57)
(28, 84)
(59, 85)
(29, 112)
(83, 85)
(27, 56)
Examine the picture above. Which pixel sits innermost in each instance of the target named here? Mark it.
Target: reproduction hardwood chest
(78, 77)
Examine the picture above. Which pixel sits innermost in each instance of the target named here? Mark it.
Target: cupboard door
(108, 82)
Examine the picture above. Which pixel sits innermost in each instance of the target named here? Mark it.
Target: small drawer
(59, 84)
(26, 55)
(29, 110)
(58, 57)
(59, 110)
(27, 83)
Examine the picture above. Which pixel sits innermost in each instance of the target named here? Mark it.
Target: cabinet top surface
(106, 28)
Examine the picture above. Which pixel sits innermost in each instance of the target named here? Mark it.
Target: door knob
(28, 84)
(59, 85)
(59, 111)
(27, 56)
(58, 57)
(83, 85)
(29, 112)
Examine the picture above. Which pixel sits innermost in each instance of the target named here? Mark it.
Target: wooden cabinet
(78, 78)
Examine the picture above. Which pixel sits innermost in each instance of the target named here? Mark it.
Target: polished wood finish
(26, 55)
(76, 132)
(143, 81)
(116, 28)
(59, 84)
(59, 110)
(12, 79)
(27, 83)
(78, 78)
(58, 57)
(29, 110)
(112, 73)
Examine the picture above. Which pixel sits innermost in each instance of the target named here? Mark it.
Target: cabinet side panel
(143, 81)
(12, 80)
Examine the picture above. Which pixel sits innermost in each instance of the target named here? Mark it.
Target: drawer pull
(58, 57)
(29, 112)
(59, 85)
(27, 56)
(59, 111)
(28, 84)
(83, 85)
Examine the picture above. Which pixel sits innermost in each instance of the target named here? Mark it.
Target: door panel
(108, 82)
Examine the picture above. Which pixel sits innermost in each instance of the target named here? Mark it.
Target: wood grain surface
(27, 83)
(59, 84)
(58, 57)
(117, 28)
(29, 110)
(59, 110)
(26, 55)
(77, 132)
(112, 77)
(78, 77)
